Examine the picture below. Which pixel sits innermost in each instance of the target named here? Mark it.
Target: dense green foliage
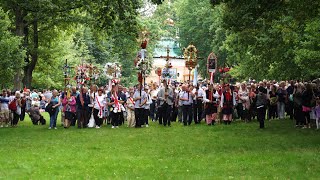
(238, 151)
(10, 51)
(260, 39)
(267, 38)
(199, 24)
(52, 31)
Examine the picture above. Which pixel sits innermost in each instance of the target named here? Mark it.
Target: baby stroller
(35, 116)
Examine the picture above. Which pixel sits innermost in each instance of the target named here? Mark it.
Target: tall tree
(197, 26)
(11, 51)
(32, 17)
(266, 38)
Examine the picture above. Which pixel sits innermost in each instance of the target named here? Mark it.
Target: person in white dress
(98, 107)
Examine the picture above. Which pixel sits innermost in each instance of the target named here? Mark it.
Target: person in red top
(211, 106)
(220, 89)
(228, 101)
(69, 109)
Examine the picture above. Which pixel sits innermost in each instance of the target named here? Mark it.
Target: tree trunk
(19, 13)
(27, 79)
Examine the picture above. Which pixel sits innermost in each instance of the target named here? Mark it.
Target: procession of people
(165, 103)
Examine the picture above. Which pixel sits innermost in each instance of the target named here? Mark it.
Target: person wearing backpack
(15, 107)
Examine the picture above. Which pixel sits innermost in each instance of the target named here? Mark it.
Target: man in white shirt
(198, 105)
(153, 93)
(165, 95)
(147, 106)
(186, 97)
(139, 98)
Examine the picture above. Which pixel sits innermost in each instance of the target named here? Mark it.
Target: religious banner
(169, 73)
(191, 57)
(86, 73)
(82, 74)
(212, 63)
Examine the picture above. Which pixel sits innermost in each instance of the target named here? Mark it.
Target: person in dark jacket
(307, 96)
(290, 90)
(297, 105)
(83, 101)
(261, 105)
(35, 115)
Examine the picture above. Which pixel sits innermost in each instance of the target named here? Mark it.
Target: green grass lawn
(238, 151)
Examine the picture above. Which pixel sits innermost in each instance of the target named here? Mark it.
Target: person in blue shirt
(4, 106)
(55, 102)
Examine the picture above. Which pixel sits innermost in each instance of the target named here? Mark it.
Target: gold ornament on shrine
(190, 55)
(113, 70)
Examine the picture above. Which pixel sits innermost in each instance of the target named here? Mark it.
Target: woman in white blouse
(99, 104)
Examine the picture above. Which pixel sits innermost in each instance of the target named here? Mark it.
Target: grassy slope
(195, 152)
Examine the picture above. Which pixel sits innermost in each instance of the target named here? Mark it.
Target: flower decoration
(94, 72)
(82, 74)
(145, 67)
(86, 73)
(115, 82)
(142, 63)
(112, 70)
(224, 70)
(190, 55)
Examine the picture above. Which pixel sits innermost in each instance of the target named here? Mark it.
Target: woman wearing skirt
(211, 106)
(228, 101)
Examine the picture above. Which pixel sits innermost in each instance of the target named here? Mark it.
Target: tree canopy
(10, 49)
(258, 39)
(276, 39)
(51, 31)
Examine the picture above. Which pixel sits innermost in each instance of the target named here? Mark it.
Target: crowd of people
(165, 103)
